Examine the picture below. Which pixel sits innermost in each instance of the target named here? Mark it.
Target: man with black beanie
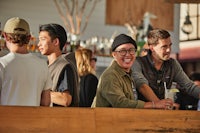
(116, 85)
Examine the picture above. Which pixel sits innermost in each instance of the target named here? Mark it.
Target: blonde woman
(86, 65)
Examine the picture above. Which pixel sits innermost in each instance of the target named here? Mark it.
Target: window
(194, 11)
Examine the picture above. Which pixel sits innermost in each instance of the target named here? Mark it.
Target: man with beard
(156, 71)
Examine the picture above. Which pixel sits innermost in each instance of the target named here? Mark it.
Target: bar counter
(15, 119)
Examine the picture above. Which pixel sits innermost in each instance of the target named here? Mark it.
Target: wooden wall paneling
(118, 12)
(115, 12)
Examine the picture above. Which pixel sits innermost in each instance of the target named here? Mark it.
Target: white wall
(38, 12)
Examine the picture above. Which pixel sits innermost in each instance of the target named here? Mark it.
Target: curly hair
(19, 39)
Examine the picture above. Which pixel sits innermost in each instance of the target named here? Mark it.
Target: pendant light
(187, 27)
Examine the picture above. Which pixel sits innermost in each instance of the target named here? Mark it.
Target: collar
(121, 71)
(149, 54)
(152, 63)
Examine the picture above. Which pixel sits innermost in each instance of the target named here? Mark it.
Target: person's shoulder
(172, 60)
(172, 63)
(3, 52)
(69, 57)
(7, 58)
(6, 55)
(91, 76)
(38, 57)
(110, 73)
(69, 60)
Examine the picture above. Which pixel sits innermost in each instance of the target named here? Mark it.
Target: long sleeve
(185, 83)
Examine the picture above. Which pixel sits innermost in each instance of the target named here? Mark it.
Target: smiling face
(162, 50)
(127, 60)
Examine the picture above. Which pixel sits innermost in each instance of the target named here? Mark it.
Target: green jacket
(115, 89)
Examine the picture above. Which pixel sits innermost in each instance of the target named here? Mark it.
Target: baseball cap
(122, 39)
(17, 25)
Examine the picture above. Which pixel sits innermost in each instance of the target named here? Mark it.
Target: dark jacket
(88, 87)
(144, 72)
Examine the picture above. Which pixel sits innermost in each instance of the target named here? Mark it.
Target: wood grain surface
(98, 120)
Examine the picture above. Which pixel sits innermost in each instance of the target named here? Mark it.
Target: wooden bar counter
(96, 120)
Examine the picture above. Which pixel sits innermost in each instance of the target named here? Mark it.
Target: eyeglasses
(94, 59)
(123, 52)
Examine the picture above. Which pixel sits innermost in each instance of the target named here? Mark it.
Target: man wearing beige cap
(24, 77)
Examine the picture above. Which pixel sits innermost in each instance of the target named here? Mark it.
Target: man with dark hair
(52, 39)
(155, 72)
(24, 77)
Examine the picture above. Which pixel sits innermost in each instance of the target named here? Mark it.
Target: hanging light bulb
(187, 27)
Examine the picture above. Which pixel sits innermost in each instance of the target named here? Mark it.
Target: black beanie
(122, 39)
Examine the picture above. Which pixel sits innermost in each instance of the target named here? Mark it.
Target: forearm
(161, 104)
(45, 98)
(149, 105)
(147, 92)
(61, 98)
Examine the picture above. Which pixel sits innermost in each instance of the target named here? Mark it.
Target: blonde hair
(83, 59)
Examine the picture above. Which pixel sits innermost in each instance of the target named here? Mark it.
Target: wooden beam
(96, 120)
(183, 1)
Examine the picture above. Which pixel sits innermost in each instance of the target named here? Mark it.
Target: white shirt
(23, 77)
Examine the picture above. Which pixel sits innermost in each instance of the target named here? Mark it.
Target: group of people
(69, 80)
(27, 80)
(140, 82)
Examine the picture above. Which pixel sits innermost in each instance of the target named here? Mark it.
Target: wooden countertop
(96, 120)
